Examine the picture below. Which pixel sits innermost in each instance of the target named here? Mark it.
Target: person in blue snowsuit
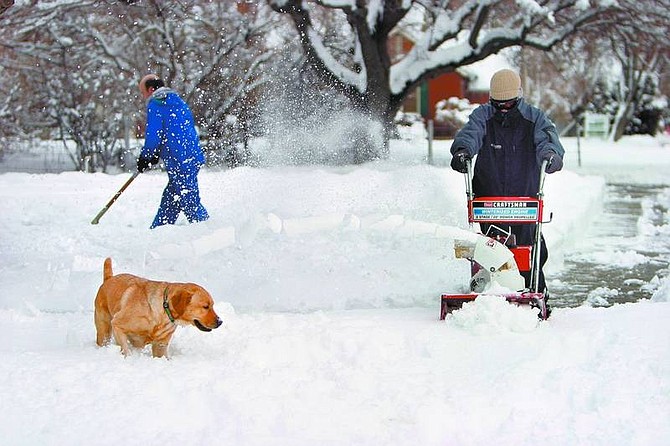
(171, 136)
(511, 139)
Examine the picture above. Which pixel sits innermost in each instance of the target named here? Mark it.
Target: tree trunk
(621, 120)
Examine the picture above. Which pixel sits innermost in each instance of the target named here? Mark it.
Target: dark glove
(458, 160)
(146, 163)
(554, 162)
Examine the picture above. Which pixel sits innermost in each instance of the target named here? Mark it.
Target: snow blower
(495, 258)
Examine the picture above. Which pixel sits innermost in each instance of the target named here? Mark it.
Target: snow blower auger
(495, 259)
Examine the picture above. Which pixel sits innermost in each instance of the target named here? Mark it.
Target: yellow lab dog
(138, 312)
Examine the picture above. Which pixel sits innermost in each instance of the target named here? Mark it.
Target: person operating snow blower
(511, 140)
(172, 137)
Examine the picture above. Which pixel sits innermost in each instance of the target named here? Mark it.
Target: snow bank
(327, 280)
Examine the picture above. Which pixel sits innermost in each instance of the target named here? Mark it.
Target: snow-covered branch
(470, 33)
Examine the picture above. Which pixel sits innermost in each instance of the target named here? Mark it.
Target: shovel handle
(97, 218)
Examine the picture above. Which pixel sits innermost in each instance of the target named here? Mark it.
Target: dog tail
(107, 270)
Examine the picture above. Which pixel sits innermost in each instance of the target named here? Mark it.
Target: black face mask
(504, 106)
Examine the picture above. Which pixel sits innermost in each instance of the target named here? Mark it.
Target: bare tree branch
(5, 5)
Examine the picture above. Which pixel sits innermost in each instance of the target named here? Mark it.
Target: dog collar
(166, 307)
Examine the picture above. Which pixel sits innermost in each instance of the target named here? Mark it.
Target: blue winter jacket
(171, 133)
(509, 148)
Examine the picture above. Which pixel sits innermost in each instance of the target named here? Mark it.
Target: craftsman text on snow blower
(497, 210)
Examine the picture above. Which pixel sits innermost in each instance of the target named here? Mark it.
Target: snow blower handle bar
(543, 175)
(97, 218)
(535, 279)
(469, 174)
(468, 179)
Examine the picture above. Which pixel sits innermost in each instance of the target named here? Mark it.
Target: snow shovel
(114, 198)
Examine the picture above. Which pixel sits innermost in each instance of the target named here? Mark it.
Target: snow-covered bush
(409, 125)
(451, 115)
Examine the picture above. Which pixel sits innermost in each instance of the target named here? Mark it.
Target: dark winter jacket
(171, 133)
(509, 149)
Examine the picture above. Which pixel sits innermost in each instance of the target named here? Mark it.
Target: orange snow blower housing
(495, 258)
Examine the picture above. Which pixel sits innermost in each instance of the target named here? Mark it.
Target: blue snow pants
(181, 195)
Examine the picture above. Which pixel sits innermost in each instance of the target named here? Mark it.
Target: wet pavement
(619, 260)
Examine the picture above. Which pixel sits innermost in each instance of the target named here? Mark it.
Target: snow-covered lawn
(328, 282)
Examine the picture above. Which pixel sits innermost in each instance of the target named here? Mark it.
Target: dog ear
(180, 300)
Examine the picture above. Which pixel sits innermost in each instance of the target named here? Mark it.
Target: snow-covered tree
(612, 67)
(212, 53)
(641, 53)
(61, 53)
(448, 35)
(648, 117)
(563, 81)
(60, 86)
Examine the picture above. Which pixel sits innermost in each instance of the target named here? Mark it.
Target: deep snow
(328, 281)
